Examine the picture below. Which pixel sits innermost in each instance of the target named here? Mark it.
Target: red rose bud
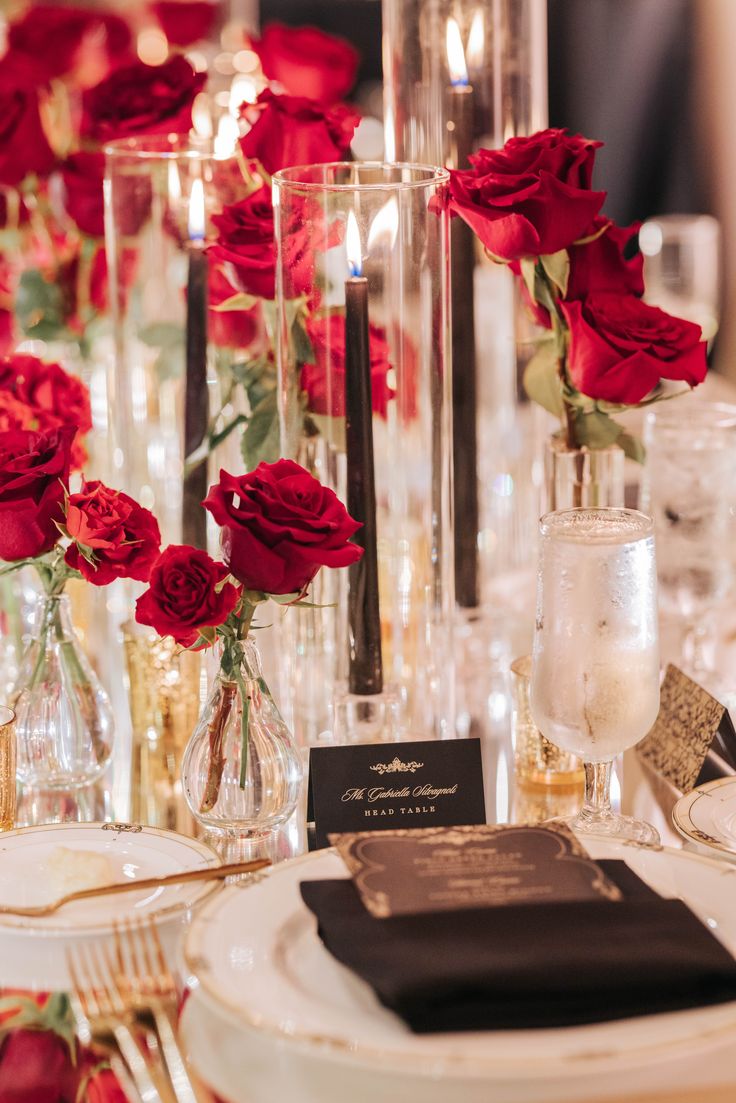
(185, 22)
(324, 380)
(279, 526)
(183, 596)
(63, 41)
(308, 62)
(24, 148)
(34, 476)
(292, 130)
(530, 198)
(142, 99)
(113, 536)
(620, 348)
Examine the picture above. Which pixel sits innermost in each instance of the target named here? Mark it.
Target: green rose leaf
(596, 429)
(541, 380)
(557, 269)
(632, 446)
(260, 441)
(241, 301)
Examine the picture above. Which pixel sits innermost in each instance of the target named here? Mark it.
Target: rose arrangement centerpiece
(64, 719)
(241, 771)
(532, 206)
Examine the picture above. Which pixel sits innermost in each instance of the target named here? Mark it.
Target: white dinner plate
(707, 817)
(270, 1000)
(32, 950)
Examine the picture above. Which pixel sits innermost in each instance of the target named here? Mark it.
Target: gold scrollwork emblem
(397, 767)
(134, 828)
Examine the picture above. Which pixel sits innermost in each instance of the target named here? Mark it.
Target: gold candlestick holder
(537, 761)
(164, 694)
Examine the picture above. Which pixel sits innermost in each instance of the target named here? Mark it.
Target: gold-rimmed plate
(706, 817)
(270, 998)
(33, 950)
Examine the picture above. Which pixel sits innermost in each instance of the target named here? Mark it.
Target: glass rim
(174, 147)
(554, 525)
(7, 716)
(432, 175)
(722, 415)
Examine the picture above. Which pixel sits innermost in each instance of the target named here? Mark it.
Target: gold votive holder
(164, 695)
(536, 760)
(7, 769)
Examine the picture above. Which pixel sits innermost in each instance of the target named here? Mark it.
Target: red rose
(292, 130)
(279, 526)
(183, 595)
(242, 329)
(24, 147)
(620, 347)
(51, 396)
(530, 198)
(60, 40)
(245, 243)
(82, 175)
(185, 21)
(120, 537)
(36, 1066)
(34, 476)
(601, 265)
(49, 389)
(142, 99)
(324, 380)
(307, 62)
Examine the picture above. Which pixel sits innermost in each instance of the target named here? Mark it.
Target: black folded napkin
(531, 965)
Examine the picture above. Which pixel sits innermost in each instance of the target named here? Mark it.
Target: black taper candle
(366, 664)
(464, 412)
(196, 406)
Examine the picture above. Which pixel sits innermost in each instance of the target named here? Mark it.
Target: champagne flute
(595, 664)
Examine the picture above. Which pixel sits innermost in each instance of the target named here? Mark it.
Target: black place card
(693, 738)
(449, 869)
(380, 786)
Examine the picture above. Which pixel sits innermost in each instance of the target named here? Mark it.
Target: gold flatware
(102, 1016)
(148, 989)
(209, 873)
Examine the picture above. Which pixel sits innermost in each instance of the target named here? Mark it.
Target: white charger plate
(272, 1002)
(32, 950)
(706, 817)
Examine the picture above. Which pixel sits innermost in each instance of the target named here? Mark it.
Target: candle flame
(196, 211)
(476, 41)
(456, 54)
(385, 226)
(174, 183)
(352, 245)
(226, 138)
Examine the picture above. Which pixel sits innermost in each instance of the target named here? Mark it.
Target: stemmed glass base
(598, 818)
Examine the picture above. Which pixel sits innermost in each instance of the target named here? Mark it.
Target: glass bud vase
(584, 478)
(241, 771)
(64, 718)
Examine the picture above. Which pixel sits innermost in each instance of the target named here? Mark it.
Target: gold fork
(147, 986)
(103, 1016)
(208, 873)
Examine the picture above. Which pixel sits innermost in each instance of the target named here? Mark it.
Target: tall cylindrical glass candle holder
(169, 377)
(365, 390)
(460, 75)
